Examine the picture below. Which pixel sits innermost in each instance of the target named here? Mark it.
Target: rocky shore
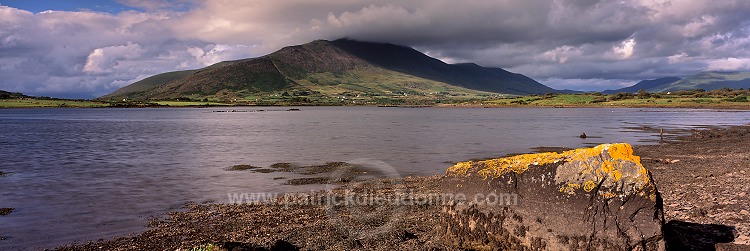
(702, 179)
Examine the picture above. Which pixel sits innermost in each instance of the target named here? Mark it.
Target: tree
(643, 94)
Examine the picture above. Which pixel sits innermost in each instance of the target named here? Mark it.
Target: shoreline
(448, 106)
(710, 107)
(703, 178)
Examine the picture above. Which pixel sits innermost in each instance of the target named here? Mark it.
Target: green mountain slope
(247, 76)
(644, 85)
(342, 67)
(707, 81)
(472, 76)
(149, 83)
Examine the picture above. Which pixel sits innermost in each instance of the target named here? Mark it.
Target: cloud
(589, 44)
(729, 64)
(89, 54)
(626, 49)
(105, 60)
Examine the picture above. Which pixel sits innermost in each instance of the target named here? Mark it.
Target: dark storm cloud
(585, 44)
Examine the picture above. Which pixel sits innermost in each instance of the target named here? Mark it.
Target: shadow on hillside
(681, 235)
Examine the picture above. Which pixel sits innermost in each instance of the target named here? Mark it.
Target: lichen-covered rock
(599, 198)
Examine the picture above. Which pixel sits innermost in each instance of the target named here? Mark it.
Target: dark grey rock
(598, 198)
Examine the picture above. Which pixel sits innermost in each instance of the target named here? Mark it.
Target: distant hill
(11, 95)
(332, 68)
(644, 85)
(705, 80)
(708, 81)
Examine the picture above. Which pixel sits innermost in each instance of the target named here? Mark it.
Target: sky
(85, 49)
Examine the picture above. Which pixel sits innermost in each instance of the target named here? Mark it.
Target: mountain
(705, 80)
(472, 76)
(151, 82)
(644, 85)
(341, 67)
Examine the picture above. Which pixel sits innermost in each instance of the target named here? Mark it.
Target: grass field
(189, 103)
(598, 100)
(30, 103)
(734, 99)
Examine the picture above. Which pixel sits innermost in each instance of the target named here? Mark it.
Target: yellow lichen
(589, 185)
(460, 168)
(608, 195)
(594, 163)
(517, 164)
(570, 188)
(520, 163)
(609, 168)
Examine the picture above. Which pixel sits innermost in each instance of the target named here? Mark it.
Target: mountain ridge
(644, 85)
(332, 68)
(709, 80)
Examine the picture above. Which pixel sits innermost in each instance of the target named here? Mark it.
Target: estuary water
(86, 174)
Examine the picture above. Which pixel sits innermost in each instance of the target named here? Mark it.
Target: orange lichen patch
(608, 167)
(623, 152)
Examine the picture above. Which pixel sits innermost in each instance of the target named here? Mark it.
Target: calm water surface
(85, 174)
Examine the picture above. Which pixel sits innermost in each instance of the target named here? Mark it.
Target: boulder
(599, 198)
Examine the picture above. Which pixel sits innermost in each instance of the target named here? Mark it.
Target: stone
(599, 198)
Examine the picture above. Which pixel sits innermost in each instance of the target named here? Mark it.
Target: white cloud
(561, 54)
(626, 49)
(104, 60)
(94, 61)
(729, 64)
(677, 58)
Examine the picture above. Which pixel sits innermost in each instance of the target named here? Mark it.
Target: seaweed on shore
(338, 172)
(308, 181)
(6, 211)
(284, 167)
(241, 168)
(263, 170)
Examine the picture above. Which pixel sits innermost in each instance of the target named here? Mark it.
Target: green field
(684, 99)
(723, 98)
(189, 103)
(30, 103)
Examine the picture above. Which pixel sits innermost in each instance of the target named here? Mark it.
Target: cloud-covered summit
(584, 44)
